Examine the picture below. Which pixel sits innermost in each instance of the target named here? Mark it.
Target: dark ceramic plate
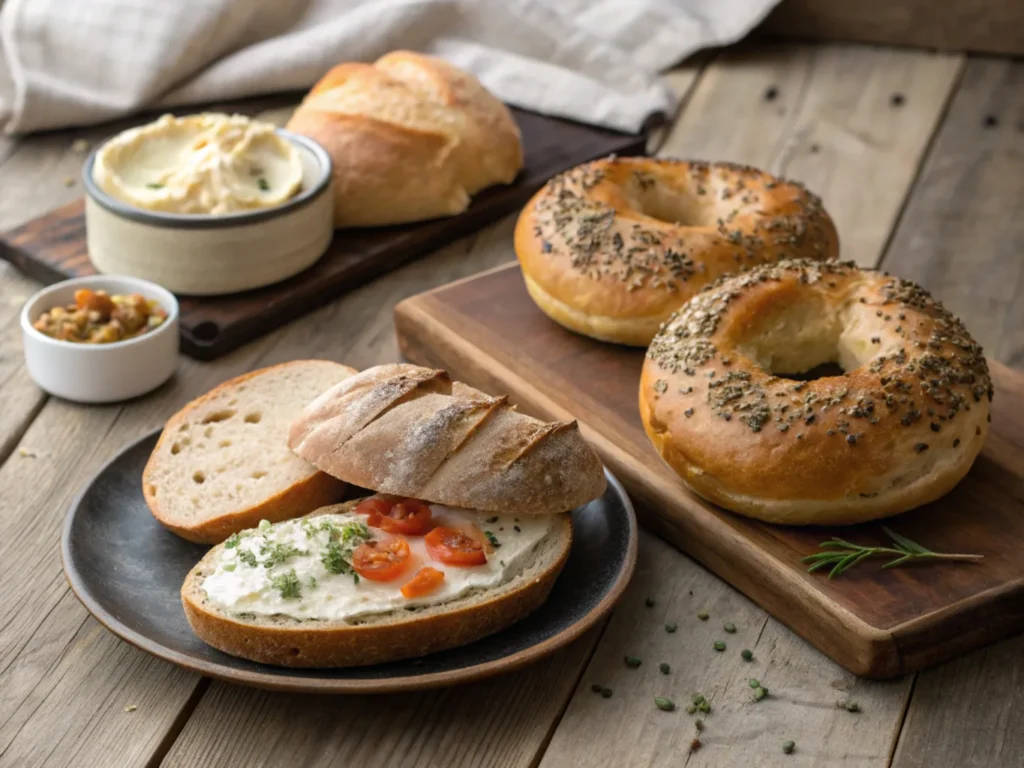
(127, 570)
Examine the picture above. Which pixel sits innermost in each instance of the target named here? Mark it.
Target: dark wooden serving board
(879, 623)
(52, 247)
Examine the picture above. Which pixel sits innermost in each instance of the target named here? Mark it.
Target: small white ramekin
(207, 255)
(100, 373)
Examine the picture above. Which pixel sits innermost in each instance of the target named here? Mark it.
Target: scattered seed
(747, 654)
(632, 662)
(130, 708)
(852, 706)
(695, 744)
(665, 668)
(665, 705)
(897, 100)
(788, 747)
(649, 602)
(670, 628)
(698, 698)
(702, 615)
(719, 645)
(699, 724)
(754, 683)
(69, 181)
(691, 709)
(729, 627)
(80, 146)
(771, 93)
(760, 693)
(606, 693)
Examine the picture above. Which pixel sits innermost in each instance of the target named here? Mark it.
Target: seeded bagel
(611, 248)
(898, 429)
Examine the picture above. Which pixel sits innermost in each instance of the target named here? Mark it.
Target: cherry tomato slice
(381, 560)
(454, 547)
(425, 581)
(410, 517)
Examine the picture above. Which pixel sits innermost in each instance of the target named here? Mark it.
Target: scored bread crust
(410, 431)
(401, 634)
(313, 491)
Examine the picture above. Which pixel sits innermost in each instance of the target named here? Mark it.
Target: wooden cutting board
(52, 247)
(879, 623)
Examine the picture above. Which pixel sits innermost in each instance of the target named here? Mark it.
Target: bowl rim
(147, 288)
(209, 220)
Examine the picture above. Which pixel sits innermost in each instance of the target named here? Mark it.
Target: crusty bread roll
(222, 462)
(399, 634)
(411, 137)
(409, 431)
(900, 428)
(611, 248)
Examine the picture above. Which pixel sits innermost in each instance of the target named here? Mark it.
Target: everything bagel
(898, 429)
(611, 248)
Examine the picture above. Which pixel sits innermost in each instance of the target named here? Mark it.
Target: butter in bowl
(208, 204)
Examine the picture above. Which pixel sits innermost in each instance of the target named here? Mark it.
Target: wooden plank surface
(803, 689)
(824, 115)
(962, 236)
(64, 683)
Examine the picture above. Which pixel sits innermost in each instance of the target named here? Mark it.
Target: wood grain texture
(52, 247)
(629, 729)
(993, 26)
(501, 722)
(823, 115)
(21, 398)
(962, 237)
(873, 622)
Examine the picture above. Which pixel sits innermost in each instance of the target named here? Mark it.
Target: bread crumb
(28, 453)
(130, 708)
(81, 146)
(69, 181)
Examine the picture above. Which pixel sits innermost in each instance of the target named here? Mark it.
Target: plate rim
(283, 681)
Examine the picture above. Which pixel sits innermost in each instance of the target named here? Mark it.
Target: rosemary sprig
(842, 555)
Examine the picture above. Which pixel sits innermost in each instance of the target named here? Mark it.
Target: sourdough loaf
(410, 431)
(411, 137)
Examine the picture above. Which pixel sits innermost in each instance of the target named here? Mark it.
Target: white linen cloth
(79, 62)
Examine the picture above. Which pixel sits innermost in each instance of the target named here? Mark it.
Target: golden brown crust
(314, 491)
(605, 257)
(410, 431)
(899, 429)
(336, 644)
(410, 137)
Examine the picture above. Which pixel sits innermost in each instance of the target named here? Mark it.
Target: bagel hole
(673, 207)
(820, 371)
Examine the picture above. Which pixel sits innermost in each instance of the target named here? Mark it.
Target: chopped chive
(719, 645)
(747, 654)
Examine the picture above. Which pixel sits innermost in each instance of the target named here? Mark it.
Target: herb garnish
(287, 584)
(719, 645)
(248, 557)
(264, 186)
(232, 541)
(842, 555)
(154, 185)
(492, 538)
(747, 654)
(340, 545)
(278, 553)
(665, 705)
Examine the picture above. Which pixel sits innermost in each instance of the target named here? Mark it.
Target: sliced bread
(222, 463)
(400, 634)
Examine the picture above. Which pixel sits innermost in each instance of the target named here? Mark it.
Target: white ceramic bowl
(207, 255)
(100, 373)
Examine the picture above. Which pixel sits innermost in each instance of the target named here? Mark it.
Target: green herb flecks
(747, 654)
(287, 584)
(665, 705)
(841, 555)
(154, 185)
(248, 557)
(278, 553)
(341, 542)
(719, 645)
(263, 184)
(232, 541)
(493, 539)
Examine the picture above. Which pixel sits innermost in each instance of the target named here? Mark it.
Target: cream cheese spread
(200, 164)
(280, 570)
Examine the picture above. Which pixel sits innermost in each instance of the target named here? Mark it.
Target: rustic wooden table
(920, 159)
